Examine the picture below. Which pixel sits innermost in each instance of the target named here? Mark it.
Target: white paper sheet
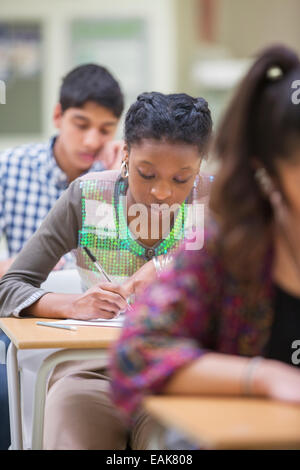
(116, 322)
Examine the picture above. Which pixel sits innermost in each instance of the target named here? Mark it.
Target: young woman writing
(122, 219)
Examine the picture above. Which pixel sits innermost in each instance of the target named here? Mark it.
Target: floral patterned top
(195, 307)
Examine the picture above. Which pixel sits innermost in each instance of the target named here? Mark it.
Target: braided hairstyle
(175, 118)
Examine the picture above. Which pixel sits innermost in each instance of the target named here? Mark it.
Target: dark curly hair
(173, 118)
(260, 126)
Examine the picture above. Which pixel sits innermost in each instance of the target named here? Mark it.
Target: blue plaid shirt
(30, 183)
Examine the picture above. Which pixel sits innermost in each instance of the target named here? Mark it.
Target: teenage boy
(32, 177)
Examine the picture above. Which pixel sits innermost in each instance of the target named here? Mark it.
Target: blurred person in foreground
(225, 320)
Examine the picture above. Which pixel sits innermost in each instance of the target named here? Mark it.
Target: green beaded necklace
(126, 239)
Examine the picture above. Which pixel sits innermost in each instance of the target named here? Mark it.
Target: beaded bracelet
(248, 375)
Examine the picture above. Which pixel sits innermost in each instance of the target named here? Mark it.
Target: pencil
(100, 268)
(56, 325)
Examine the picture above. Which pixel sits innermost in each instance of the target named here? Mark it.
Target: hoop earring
(124, 169)
(196, 180)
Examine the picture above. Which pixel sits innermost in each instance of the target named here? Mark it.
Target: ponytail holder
(274, 73)
(145, 99)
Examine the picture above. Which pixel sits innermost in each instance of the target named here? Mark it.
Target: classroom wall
(242, 27)
(176, 46)
(56, 16)
(176, 43)
(247, 26)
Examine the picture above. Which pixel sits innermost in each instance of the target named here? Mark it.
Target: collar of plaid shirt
(52, 169)
(30, 183)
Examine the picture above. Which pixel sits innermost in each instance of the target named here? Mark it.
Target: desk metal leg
(42, 381)
(13, 381)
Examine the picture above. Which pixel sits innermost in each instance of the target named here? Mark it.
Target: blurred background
(201, 47)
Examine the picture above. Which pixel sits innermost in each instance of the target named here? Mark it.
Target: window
(20, 70)
(118, 44)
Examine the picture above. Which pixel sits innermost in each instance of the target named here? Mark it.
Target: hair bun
(145, 98)
(201, 105)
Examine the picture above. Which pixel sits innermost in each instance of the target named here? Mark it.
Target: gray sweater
(73, 223)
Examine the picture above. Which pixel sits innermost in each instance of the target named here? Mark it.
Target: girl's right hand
(105, 300)
(278, 381)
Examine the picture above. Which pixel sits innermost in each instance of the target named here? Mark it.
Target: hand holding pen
(101, 269)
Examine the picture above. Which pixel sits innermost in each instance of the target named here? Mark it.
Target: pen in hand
(98, 266)
(100, 269)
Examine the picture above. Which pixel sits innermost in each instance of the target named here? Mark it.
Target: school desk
(228, 423)
(87, 342)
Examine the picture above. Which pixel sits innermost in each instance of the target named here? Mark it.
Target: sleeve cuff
(31, 300)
